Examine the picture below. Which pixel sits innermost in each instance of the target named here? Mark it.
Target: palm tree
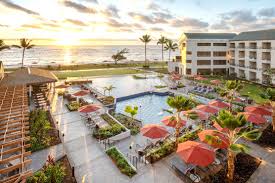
(170, 46)
(145, 39)
(180, 103)
(162, 40)
(237, 128)
(270, 92)
(230, 90)
(132, 111)
(24, 44)
(120, 55)
(3, 46)
(109, 89)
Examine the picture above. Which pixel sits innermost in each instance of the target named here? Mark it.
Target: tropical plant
(120, 55)
(170, 46)
(109, 89)
(25, 44)
(3, 46)
(180, 103)
(230, 90)
(270, 93)
(132, 111)
(270, 74)
(145, 39)
(237, 128)
(162, 40)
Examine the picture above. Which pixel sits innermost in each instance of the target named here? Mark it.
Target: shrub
(139, 77)
(73, 106)
(121, 162)
(180, 85)
(160, 86)
(109, 131)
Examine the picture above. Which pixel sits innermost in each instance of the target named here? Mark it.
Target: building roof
(256, 35)
(28, 76)
(210, 35)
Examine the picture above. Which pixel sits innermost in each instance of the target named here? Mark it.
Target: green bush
(109, 131)
(128, 122)
(73, 106)
(180, 85)
(139, 77)
(121, 162)
(160, 86)
(39, 130)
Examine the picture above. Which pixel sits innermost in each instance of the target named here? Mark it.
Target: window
(204, 44)
(188, 61)
(204, 54)
(189, 52)
(219, 44)
(188, 71)
(219, 62)
(203, 62)
(219, 53)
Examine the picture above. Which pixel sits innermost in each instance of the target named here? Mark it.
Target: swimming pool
(150, 107)
(127, 85)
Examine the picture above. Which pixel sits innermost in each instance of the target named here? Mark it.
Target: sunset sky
(129, 19)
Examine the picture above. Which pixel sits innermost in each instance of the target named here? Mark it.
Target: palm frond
(238, 148)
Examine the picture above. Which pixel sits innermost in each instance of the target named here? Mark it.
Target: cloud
(238, 17)
(32, 26)
(14, 6)
(189, 22)
(3, 25)
(141, 17)
(76, 22)
(111, 11)
(153, 6)
(267, 12)
(156, 29)
(92, 1)
(79, 7)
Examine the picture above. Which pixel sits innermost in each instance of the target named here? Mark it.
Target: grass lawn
(253, 91)
(96, 72)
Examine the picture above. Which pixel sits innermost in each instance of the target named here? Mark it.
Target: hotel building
(247, 55)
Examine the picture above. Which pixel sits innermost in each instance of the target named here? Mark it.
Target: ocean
(66, 55)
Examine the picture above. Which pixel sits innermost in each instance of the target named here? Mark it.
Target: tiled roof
(256, 35)
(210, 35)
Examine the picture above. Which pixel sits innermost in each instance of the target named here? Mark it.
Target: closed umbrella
(154, 131)
(218, 140)
(172, 122)
(196, 153)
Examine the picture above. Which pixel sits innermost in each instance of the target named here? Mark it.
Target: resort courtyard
(86, 151)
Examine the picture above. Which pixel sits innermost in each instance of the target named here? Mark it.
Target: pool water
(126, 85)
(150, 108)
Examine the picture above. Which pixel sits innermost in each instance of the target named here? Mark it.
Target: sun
(67, 39)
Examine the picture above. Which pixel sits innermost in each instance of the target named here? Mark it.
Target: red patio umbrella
(258, 110)
(201, 115)
(218, 127)
(219, 140)
(172, 122)
(154, 131)
(219, 104)
(89, 108)
(81, 93)
(196, 153)
(207, 108)
(215, 82)
(61, 86)
(254, 118)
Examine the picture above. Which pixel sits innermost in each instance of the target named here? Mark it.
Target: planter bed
(121, 162)
(134, 126)
(109, 131)
(245, 166)
(168, 147)
(73, 106)
(267, 138)
(208, 96)
(50, 135)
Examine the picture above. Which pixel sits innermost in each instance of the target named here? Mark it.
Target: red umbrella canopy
(154, 131)
(61, 86)
(217, 140)
(201, 115)
(258, 110)
(196, 153)
(254, 118)
(215, 82)
(218, 127)
(89, 108)
(200, 78)
(172, 122)
(81, 93)
(207, 108)
(219, 104)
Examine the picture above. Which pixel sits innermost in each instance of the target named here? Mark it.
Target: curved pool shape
(126, 85)
(150, 108)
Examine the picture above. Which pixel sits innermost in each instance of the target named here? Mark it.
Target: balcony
(252, 45)
(266, 45)
(241, 46)
(254, 67)
(232, 45)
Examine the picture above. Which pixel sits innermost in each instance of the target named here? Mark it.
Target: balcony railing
(253, 67)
